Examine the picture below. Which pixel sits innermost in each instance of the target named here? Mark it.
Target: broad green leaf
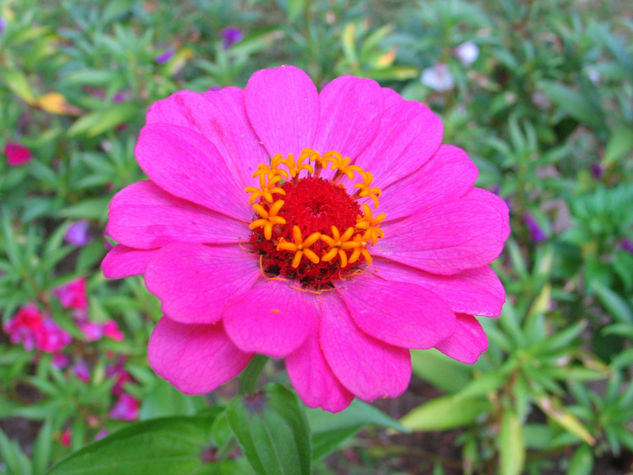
(42, 448)
(441, 371)
(273, 431)
(487, 382)
(164, 400)
(620, 143)
(101, 121)
(581, 462)
(615, 304)
(330, 430)
(444, 413)
(511, 445)
(574, 103)
(171, 445)
(19, 84)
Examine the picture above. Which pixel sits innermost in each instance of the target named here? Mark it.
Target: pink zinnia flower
(362, 238)
(16, 153)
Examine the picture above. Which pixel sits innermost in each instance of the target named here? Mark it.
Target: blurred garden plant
(540, 95)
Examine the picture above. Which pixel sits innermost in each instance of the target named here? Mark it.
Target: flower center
(308, 228)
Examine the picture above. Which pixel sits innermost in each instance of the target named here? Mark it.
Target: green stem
(247, 381)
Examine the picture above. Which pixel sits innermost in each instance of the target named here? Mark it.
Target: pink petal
(448, 175)
(271, 318)
(122, 261)
(221, 117)
(474, 291)
(195, 282)
(446, 238)
(313, 379)
(283, 107)
(194, 358)
(408, 136)
(185, 164)
(350, 111)
(467, 342)
(498, 203)
(143, 216)
(399, 313)
(368, 368)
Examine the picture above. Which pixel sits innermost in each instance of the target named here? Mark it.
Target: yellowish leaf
(55, 103)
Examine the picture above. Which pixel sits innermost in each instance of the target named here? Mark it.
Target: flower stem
(247, 380)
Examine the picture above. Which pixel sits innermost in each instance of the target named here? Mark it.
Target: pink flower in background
(77, 233)
(331, 229)
(60, 360)
(81, 370)
(73, 294)
(34, 329)
(16, 154)
(126, 408)
(66, 437)
(111, 330)
(92, 331)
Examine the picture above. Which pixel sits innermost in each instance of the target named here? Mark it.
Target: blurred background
(538, 92)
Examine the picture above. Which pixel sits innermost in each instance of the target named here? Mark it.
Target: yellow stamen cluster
(355, 239)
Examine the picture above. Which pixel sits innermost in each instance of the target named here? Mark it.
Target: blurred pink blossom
(73, 294)
(33, 329)
(125, 409)
(16, 153)
(81, 370)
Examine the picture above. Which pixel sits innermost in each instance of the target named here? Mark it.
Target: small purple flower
(627, 245)
(597, 170)
(3, 23)
(536, 233)
(125, 409)
(101, 434)
(77, 233)
(230, 36)
(165, 56)
(60, 360)
(438, 77)
(80, 368)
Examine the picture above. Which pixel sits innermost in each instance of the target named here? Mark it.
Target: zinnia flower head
(331, 229)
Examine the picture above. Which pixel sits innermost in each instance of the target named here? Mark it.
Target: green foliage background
(549, 97)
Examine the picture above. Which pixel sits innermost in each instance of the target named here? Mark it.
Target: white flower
(438, 78)
(467, 53)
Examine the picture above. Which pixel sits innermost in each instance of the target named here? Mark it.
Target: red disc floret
(314, 205)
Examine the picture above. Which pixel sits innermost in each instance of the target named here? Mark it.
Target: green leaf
(441, 371)
(613, 303)
(18, 83)
(101, 121)
(42, 448)
(330, 430)
(164, 400)
(620, 143)
(581, 462)
(574, 104)
(511, 445)
(273, 431)
(444, 413)
(169, 445)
